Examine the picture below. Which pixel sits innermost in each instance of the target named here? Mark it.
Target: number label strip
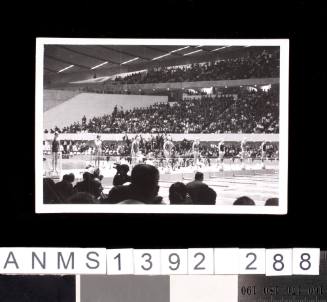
(193, 261)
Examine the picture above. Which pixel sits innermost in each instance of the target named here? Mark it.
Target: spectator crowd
(142, 187)
(262, 65)
(255, 111)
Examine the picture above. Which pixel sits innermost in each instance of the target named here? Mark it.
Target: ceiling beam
(87, 55)
(49, 70)
(203, 47)
(66, 62)
(163, 51)
(124, 52)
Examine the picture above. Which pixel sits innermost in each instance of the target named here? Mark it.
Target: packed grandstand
(262, 65)
(254, 111)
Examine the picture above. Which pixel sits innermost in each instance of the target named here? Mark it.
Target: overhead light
(68, 67)
(132, 60)
(165, 55)
(199, 46)
(169, 53)
(220, 48)
(192, 52)
(97, 66)
(179, 49)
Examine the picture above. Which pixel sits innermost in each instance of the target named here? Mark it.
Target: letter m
(62, 260)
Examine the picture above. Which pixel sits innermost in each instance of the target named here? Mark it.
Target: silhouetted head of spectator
(96, 175)
(272, 202)
(81, 198)
(122, 169)
(87, 176)
(49, 191)
(71, 177)
(177, 193)
(96, 172)
(121, 176)
(144, 182)
(198, 176)
(244, 201)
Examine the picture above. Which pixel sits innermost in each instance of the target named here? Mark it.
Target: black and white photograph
(161, 125)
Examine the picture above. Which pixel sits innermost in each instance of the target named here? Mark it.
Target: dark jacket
(201, 193)
(120, 179)
(64, 189)
(118, 194)
(124, 193)
(89, 186)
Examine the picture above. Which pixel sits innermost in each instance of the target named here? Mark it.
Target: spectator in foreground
(178, 194)
(97, 176)
(89, 185)
(65, 187)
(207, 196)
(117, 194)
(244, 201)
(121, 176)
(50, 194)
(193, 187)
(144, 186)
(82, 198)
(272, 202)
(142, 190)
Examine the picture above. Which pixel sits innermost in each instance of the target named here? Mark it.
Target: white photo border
(281, 209)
